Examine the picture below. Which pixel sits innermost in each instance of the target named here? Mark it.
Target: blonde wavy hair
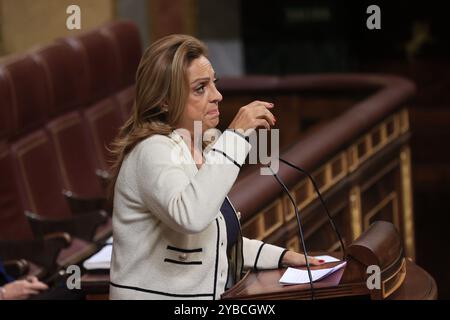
(162, 89)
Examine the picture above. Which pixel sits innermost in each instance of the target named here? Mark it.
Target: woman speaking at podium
(176, 233)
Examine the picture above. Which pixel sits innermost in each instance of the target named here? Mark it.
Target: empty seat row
(60, 107)
(68, 74)
(62, 156)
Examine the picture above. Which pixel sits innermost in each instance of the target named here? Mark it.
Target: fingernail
(321, 261)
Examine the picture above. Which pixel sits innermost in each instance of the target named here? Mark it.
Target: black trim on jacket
(227, 156)
(182, 262)
(217, 260)
(184, 250)
(239, 134)
(280, 265)
(160, 292)
(257, 256)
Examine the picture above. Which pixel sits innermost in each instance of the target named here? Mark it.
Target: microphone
(330, 219)
(299, 228)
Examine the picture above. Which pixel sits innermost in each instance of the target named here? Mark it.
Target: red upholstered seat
(27, 95)
(6, 106)
(13, 223)
(14, 226)
(40, 183)
(103, 120)
(80, 89)
(67, 73)
(75, 154)
(125, 36)
(39, 176)
(103, 62)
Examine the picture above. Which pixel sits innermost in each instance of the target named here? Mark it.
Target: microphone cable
(330, 219)
(297, 214)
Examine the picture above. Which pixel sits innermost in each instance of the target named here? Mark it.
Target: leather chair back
(103, 62)
(39, 177)
(103, 121)
(13, 223)
(68, 76)
(27, 93)
(126, 38)
(75, 154)
(6, 105)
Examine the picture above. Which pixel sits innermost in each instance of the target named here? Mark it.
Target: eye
(200, 89)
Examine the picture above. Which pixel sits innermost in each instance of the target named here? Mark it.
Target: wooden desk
(418, 285)
(96, 286)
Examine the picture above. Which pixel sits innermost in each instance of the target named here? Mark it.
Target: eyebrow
(203, 79)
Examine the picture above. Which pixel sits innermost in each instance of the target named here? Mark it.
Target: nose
(216, 95)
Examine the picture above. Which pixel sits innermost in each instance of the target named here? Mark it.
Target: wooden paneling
(175, 16)
(368, 181)
(27, 23)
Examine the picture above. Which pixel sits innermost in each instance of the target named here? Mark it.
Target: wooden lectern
(401, 279)
(379, 246)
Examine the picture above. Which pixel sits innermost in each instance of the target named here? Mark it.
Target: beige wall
(27, 23)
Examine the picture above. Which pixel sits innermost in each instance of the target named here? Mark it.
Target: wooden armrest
(42, 251)
(82, 226)
(79, 204)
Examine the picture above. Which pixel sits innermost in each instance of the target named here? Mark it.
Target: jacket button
(183, 256)
(221, 244)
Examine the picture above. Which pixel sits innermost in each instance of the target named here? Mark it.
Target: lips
(214, 112)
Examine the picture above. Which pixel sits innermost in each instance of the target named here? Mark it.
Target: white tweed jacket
(169, 234)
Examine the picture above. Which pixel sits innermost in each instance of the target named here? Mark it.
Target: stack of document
(100, 260)
(297, 276)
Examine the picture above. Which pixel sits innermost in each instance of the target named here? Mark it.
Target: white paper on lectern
(100, 260)
(327, 258)
(297, 276)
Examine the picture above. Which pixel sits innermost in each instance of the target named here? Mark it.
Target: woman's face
(203, 99)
